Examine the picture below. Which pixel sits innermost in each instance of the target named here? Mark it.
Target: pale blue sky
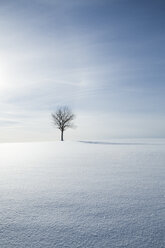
(103, 58)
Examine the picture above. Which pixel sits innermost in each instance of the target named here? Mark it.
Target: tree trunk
(62, 135)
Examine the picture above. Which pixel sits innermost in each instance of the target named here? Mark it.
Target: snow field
(76, 194)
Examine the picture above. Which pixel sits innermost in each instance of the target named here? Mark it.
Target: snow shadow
(113, 143)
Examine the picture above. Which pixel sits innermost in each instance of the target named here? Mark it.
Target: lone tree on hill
(63, 118)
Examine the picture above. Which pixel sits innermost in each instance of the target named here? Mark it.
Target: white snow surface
(83, 194)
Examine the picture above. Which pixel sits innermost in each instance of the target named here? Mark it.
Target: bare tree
(63, 118)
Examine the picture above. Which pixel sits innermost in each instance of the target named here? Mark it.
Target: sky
(104, 59)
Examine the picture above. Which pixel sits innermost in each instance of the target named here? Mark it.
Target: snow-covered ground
(83, 194)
